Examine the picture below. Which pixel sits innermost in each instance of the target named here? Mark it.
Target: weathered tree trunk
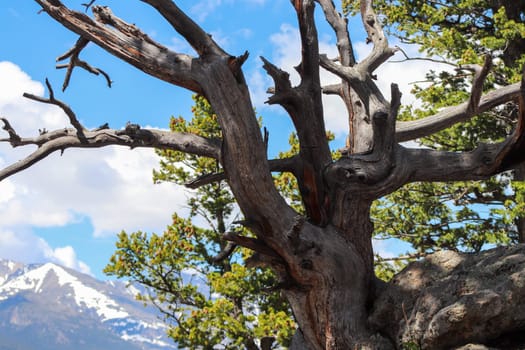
(325, 258)
(330, 295)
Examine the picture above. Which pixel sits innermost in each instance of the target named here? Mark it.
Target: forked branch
(381, 51)
(132, 136)
(340, 27)
(60, 140)
(75, 61)
(128, 43)
(67, 110)
(304, 105)
(200, 40)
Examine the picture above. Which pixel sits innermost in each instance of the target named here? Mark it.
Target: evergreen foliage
(207, 301)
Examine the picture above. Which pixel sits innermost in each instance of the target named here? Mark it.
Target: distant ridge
(50, 307)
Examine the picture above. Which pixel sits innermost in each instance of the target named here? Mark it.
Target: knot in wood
(487, 160)
(380, 115)
(132, 129)
(363, 169)
(346, 173)
(307, 264)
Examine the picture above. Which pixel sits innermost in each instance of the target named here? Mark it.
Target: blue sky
(68, 209)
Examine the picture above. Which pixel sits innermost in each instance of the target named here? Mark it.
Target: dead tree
(325, 257)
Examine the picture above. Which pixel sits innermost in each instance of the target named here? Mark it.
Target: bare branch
(14, 138)
(251, 243)
(185, 26)
(484, 161)
(395, 104)
(480, 74)
(383, 124)
(69, 112)
(516, 153)
(306, 112)
(381, 51)
(86, 66)
(128, 43)
(411, 256)
(334, 89)
(59, 140)
(360, 81)
(283, 87)
(205, 179)
(75, 50)
(309, 67)
(88, 5)
(74, 61)
(428, 59)
(431, 165)
(449, 116)
(340, 27)
(276, 165)
(347, 73)
(224, 253)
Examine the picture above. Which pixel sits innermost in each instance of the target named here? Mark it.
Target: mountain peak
(45, 295)
(8, 267)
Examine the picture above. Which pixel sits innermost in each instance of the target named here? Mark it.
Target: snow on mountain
(32, 295)
(84, 296)
(7, 268)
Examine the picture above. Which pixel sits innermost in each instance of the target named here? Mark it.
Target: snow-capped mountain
(48, 306)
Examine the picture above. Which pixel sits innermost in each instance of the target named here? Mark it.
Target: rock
(454, 300)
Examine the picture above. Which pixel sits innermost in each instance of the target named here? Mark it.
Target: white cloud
(25, 247)
(22, 246)
(112, 187)
(19, 82)
(67, 257)
(7, 190)
(287, 50)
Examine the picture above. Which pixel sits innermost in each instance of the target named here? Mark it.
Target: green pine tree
(207, 299)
